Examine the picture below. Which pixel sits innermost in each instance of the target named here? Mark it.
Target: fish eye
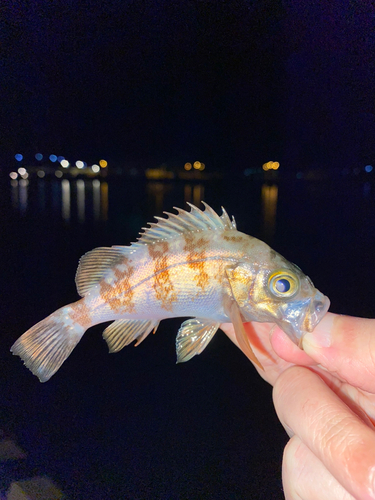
(283, 284)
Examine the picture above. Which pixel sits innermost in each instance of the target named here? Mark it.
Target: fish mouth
(297, 321)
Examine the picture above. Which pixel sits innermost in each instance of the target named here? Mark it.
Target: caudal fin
(46, 345)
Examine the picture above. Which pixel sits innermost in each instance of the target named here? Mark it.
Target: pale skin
(324, 396)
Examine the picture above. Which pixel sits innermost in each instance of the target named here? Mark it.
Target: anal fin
(193, 336)
(124, 331)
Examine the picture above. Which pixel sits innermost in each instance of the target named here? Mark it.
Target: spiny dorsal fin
(94, 265)
(183, 221)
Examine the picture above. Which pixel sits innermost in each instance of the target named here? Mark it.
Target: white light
(41, 174)
(95, 169)
(13, 175)
(25, 175)
(64, 163)
(22, 171)
(79, 164)
(58, 174)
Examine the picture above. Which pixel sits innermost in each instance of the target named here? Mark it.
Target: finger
(333, 433)
(345, 345)
(287, 350)
(306, 478)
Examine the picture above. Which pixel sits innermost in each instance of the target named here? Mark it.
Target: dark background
(234, 84)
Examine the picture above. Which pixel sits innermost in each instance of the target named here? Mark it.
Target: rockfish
(193, 264)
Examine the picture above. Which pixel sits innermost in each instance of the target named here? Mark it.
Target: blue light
(53, 158)
(60, 159)
(368, 168)
(18, 157)
(39, 156)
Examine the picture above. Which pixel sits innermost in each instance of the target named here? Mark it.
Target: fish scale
(189, 264)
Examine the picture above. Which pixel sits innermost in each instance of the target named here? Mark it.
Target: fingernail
(321, 336)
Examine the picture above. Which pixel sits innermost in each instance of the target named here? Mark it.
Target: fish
(193, 264)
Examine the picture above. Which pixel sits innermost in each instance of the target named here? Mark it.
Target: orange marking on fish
(196, 259)
(163, 285)
(119, 295)
(80, 314)
(235, 239)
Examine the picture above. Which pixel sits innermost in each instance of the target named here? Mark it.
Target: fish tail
(45, 346)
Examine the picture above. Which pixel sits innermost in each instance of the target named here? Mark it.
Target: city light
(41, 174)
(368, 168)
(79, 164)
(60, 159)
(58, 174)
(202, 167)
(13, 176)
(64, 163)
(187, 166)
(271, 165)
(22, 171)
(39, 156)
(103, 163)
(53, 158)
(95, 168)
(18, 157)
(197, 165)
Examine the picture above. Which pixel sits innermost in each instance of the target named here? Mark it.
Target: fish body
(190, 264)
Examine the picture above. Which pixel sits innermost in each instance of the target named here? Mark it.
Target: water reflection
(194, 193)
(66, 197)
(269, 208)
(65, 187)
(80, 200)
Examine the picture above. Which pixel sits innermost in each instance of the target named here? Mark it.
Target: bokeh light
(95, 168)
(53, 158)
(79, 164)
(18, 157)
(41, 174)
(368, 168)
(197, 165)
(60, 159)
(58, 174)
(22, 171)
(187, 166)
(39, 156)
(64, 163)
(271, 165)
(13, 176)
(103, 163)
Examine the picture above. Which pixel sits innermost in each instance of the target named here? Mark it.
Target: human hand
(325, 398)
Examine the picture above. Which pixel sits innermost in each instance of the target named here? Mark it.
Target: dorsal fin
(94, 265)
(183, 222)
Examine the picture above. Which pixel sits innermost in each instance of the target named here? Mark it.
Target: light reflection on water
(66, 197)
(79, 199)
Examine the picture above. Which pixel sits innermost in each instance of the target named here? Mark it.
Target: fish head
(278, 291)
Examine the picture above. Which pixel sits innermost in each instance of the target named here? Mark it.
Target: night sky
(232, 83)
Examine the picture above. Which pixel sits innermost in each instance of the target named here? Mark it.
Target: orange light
(202, 167)
(187, 166)
(275, 165)
(197, 165)
(103, 163)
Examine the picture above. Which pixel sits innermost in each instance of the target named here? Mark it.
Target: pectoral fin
(233, 312)
(123, 331)
(193, 336)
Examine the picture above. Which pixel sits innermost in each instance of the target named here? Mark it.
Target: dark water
(134, 425)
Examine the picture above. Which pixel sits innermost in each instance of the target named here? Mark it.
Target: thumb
(345, 345)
